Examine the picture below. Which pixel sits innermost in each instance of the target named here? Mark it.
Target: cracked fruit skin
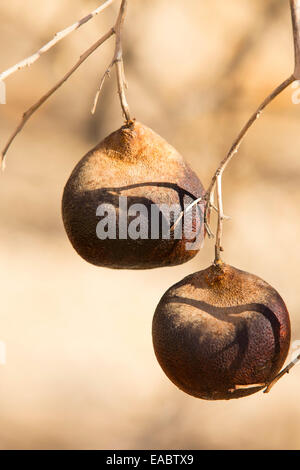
(219, 329)
(136, 163)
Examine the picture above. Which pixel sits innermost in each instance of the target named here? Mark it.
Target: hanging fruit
(133, 170)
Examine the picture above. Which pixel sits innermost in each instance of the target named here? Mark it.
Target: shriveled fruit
(131, 166)
(221, 332)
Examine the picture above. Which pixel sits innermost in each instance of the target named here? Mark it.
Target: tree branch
(45, 97)
(99, 89)
(284, 371)
(57, 37)
(295, 12)
(233, 150)
(236, 144)
(117, 61)
(218, 247)
(295, 9)
(216, 181)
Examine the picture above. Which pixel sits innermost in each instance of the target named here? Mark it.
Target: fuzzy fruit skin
(135, 162)
(219, 328)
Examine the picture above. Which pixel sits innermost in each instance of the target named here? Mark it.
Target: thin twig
(236, 144)
(106, 74)
(45, 97)
(218, 247)
(246, 387)
(182, 213)
(124, 77)
(209, 203)
(284, 371)
(121, 90)
(295, 9)
(295, 12)
(57, 37)
(216, 181)
(233, 150)
(117, 61)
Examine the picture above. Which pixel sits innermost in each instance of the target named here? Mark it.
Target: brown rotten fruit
(221, 332)
(133, 172)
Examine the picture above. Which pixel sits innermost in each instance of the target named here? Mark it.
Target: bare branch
(295, 9)
(57, 37)
(209, 203)
(284, 371)
(218, 247)
(216, 179)
(119, 59)
(106, 74)
(236, 144)
(182, 213)
(121, 89)
(45, 97)
(118, 62)
(124, 77)
(247, 387)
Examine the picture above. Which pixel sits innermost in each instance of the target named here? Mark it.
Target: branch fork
(117, 60)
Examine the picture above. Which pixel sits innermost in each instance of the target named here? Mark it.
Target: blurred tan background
(81, 372)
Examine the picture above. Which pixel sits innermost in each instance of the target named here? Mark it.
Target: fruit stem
(118, 60)
(218, 247)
